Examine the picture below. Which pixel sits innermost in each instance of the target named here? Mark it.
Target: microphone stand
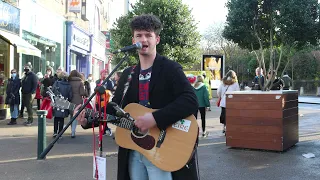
(50, 146)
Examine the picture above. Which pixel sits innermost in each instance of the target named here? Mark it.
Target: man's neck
(147, 61)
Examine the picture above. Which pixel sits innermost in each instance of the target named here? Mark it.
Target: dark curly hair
(148, 22)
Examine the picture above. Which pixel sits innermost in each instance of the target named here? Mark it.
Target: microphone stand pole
(50, 146)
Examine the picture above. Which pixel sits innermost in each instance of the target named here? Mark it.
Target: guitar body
(176, 148)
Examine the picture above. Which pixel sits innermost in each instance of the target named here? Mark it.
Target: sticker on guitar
(183, 125)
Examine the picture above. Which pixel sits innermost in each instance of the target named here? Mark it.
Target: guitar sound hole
(139, 134)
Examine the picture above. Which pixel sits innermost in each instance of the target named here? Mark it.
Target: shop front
(78, 49)
(45, 30)
(11, 44)
(98, 55)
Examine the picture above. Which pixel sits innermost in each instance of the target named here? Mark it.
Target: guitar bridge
(162, 135)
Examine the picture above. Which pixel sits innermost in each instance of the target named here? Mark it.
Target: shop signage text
(80, 39)
(9, 18)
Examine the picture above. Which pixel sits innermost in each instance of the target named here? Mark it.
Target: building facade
(45, 30)
(12, 46)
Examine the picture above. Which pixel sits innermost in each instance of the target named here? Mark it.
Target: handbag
(46, 105)
(218, 102)
(219, 99)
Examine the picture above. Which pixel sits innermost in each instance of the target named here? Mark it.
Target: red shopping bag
(89, 105)
(46, 105)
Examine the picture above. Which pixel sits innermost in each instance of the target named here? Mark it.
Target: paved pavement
(71, 159)
(309, 99)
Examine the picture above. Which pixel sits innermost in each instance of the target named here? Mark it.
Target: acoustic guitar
(169, 149)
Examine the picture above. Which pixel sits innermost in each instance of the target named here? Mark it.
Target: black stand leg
(50, 146)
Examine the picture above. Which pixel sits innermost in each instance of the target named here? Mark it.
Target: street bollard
(42, 138)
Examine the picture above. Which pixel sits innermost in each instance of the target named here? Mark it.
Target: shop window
(50, 53)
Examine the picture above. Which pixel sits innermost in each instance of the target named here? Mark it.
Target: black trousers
(203, 117)
(58, 121)
(27, 102)
(223, 116)
(38, 103)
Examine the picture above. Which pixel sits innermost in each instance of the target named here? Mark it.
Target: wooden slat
(254, 129)
(290, 119)
(261, 121)
(290, 134)
(254, 105)
(290, 112)
(290, 96)
(254, 113)
(290, 104)
(254, 144)
(275, 138)
(254, 98)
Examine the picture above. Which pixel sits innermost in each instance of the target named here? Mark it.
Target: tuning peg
(58, 109)
(62, 110)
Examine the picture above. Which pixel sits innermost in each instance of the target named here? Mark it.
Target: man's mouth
(145, 46)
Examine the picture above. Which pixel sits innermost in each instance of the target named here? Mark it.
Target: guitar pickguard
(147, 142)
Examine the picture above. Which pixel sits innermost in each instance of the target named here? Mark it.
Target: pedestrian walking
(105, 98)
(78, 91)
(229, 83)
(13, 96)
(203, 100)
(38, 96)
(61, 87)
(29, 85)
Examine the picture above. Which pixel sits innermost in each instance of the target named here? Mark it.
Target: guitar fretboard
(88, 112)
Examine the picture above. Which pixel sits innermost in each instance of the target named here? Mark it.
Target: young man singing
(157, 83)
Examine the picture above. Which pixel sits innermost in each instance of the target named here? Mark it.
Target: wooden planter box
(262, 120)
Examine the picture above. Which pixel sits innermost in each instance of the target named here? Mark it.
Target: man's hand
(145, 122)
(81, 118)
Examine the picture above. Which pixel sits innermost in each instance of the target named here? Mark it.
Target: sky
(206, 12)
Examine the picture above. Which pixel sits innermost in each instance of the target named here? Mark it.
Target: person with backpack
(61, 87)
(287, 81)
(104, 98)
(202, 94)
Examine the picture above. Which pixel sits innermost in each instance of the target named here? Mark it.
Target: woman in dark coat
(13, 96)
(47, 81)
(78, 91)
(61, 87)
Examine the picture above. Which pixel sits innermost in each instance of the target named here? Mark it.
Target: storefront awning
(22, 46)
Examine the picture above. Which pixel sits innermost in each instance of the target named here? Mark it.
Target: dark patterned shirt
(144, 81)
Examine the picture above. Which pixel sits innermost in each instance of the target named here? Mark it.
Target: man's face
(148, 39)
(103, 75)
(58, 71)
(26, 69)
(258, 72)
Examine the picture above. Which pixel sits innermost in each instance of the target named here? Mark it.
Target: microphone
(135, 46)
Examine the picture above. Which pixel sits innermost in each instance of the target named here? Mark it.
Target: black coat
(64, 88)
(171, 93)
(29, 83)
(47, 82)
(13, 88)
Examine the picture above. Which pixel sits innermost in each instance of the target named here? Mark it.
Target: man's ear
(158, 39)
(133, 41)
